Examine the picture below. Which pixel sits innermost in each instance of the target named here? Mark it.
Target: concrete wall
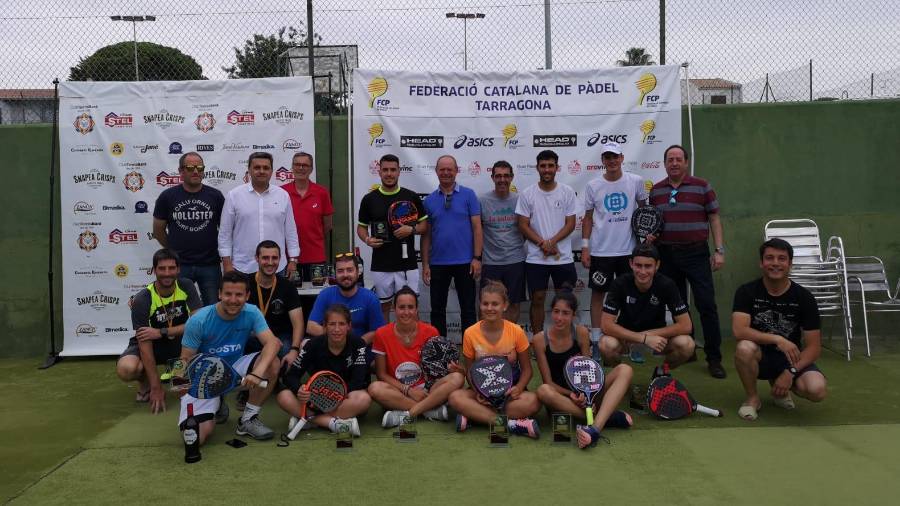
(834, 162)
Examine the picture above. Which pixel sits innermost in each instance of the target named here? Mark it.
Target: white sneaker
(352, 424)
(393, 418)
(438, 414)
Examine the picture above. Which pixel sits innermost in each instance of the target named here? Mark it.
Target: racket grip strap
(297, 428)
(708, 411)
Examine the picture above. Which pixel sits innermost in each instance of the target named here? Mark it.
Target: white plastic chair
(869, 281)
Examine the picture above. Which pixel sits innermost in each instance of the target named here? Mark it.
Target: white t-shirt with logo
(547, 212)
(613, 203)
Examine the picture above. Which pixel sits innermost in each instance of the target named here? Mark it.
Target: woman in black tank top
(561, 340)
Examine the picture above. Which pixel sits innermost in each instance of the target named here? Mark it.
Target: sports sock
(249, 412)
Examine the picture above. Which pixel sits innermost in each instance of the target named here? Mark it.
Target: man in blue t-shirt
(223, 329)
(451, 246)
(186, 219)
(365, 308)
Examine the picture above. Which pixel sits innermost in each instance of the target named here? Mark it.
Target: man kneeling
(773, 319)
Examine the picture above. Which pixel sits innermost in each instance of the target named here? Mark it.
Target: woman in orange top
(494, 335)
(398, 365)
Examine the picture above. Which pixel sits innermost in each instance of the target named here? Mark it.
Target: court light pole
(465, 16)
(134, 21)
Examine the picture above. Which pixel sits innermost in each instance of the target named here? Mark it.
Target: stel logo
(82, 207)
(647, 128)
(113, 120)
(646, 84)
(377, 87)
(284, 175)
(240, 118)
(473, 142)
(143, 148)
(374, 167)
(117, 236)
(133, 181)
(205, 122)
(85, 329)
(555, 141)
(84, 123)
(375, 133)
(509, 133)
(163, 119)
(175, 148)
(291, 145)
(474, 168)
(421, 141)
(97, 300)
(598, 138)
(574, 167)
(121, 271)
(88, 240)
(283, 116)
(200, 148)
(165, 179)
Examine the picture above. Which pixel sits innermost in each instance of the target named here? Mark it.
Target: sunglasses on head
(672, 200)
(344, 255)
(447, 199)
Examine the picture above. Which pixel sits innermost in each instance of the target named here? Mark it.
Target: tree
(155, 63)
(260, 55)
(635, 57)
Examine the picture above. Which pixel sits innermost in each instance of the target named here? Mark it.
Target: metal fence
(737, 51)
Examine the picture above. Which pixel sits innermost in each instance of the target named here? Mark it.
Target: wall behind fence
(833, 162)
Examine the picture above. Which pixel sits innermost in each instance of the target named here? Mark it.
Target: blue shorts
(563, 276)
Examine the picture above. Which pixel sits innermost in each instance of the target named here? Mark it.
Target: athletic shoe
(241, 400)
(351, 423)
(591, 431)
(716, 370)
(438, 414)
(293, 421)
(393, 418)
(223, 412)
(462, 423)
(254, 428)
(636, 356)
(525, 427)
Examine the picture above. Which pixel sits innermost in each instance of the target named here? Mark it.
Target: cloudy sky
(736, 40)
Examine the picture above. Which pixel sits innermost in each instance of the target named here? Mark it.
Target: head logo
(140, 207)
(121, 270)
(113, 120)
(88, 240)
(647, 128)
(645, 84)
(82, 207)
(133, 181)
(509, 132)
(117, 236)
(284, 175)
(85, 329)
(291, 145)
(377, 87)
(474, 169)
(375, 132)
(165, 179)
(574, 167)
(374, 166)
(240, 118)
(205, 122)
(84, 123)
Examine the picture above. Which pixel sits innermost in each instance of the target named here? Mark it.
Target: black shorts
(164, 350)
(511, 275)
(605, 269)
(774, 363)
(538, 274)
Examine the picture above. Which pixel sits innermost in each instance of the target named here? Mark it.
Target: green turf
(73, 435)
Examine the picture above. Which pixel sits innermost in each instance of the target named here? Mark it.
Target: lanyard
(265, 307)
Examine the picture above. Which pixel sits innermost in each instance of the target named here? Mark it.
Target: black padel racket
(491, 376)
(205, 376)
(645, 221)
(437, 353)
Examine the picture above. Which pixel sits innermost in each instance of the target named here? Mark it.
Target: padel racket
(403, 212)
(205, 376)
(668, 399)
(437, 353)
(584, 375)
(491, 376)
(645, 221)
(326, 392)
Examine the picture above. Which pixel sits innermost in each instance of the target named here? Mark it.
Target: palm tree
(635, 57)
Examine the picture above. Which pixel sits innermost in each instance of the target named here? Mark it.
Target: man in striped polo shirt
(691, 211)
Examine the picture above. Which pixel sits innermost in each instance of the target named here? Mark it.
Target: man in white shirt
(546, 215)
(255, 212)
(606, 236)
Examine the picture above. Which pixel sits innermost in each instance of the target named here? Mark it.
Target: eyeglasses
(672, 200)
(194, 168)
(447, 200)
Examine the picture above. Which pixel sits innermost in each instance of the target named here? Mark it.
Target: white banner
(482, 117)
(119, 149)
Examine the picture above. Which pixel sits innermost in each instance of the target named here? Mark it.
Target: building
(712, 91)
(26, 106)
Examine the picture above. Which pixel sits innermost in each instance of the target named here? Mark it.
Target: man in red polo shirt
(312, 213)
(691, 211)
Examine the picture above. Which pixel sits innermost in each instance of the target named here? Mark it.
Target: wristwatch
(720, 249)
(164, 332)
(793, 371)
(477, 257)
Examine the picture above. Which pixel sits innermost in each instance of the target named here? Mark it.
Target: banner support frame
(53, 356)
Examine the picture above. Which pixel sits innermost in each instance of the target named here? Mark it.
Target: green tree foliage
(155, 63)
(261, 55)
(636, 56)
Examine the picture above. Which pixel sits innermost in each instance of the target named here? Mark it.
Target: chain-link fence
(738, 51)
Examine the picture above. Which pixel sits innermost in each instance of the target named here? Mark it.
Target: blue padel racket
(206, 376)
(403, 212)
(585, 376)
(491, 376)
(437, 353)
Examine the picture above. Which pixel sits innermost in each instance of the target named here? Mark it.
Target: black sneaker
(716, 370)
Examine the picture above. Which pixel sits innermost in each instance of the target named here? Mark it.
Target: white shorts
(389, 283)
(210, 406)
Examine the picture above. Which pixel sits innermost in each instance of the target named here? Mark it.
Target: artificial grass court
(73, 435)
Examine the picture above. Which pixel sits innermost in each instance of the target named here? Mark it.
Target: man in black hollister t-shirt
(634, 313)
(777, 327)
(186, 219)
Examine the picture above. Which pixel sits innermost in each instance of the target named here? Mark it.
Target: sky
(735, 40)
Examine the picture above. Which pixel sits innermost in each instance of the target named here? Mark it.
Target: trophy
(499, 432)
(406, 432)
(318, 274)
(343, 438)
(381, 230)
(562, 428)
